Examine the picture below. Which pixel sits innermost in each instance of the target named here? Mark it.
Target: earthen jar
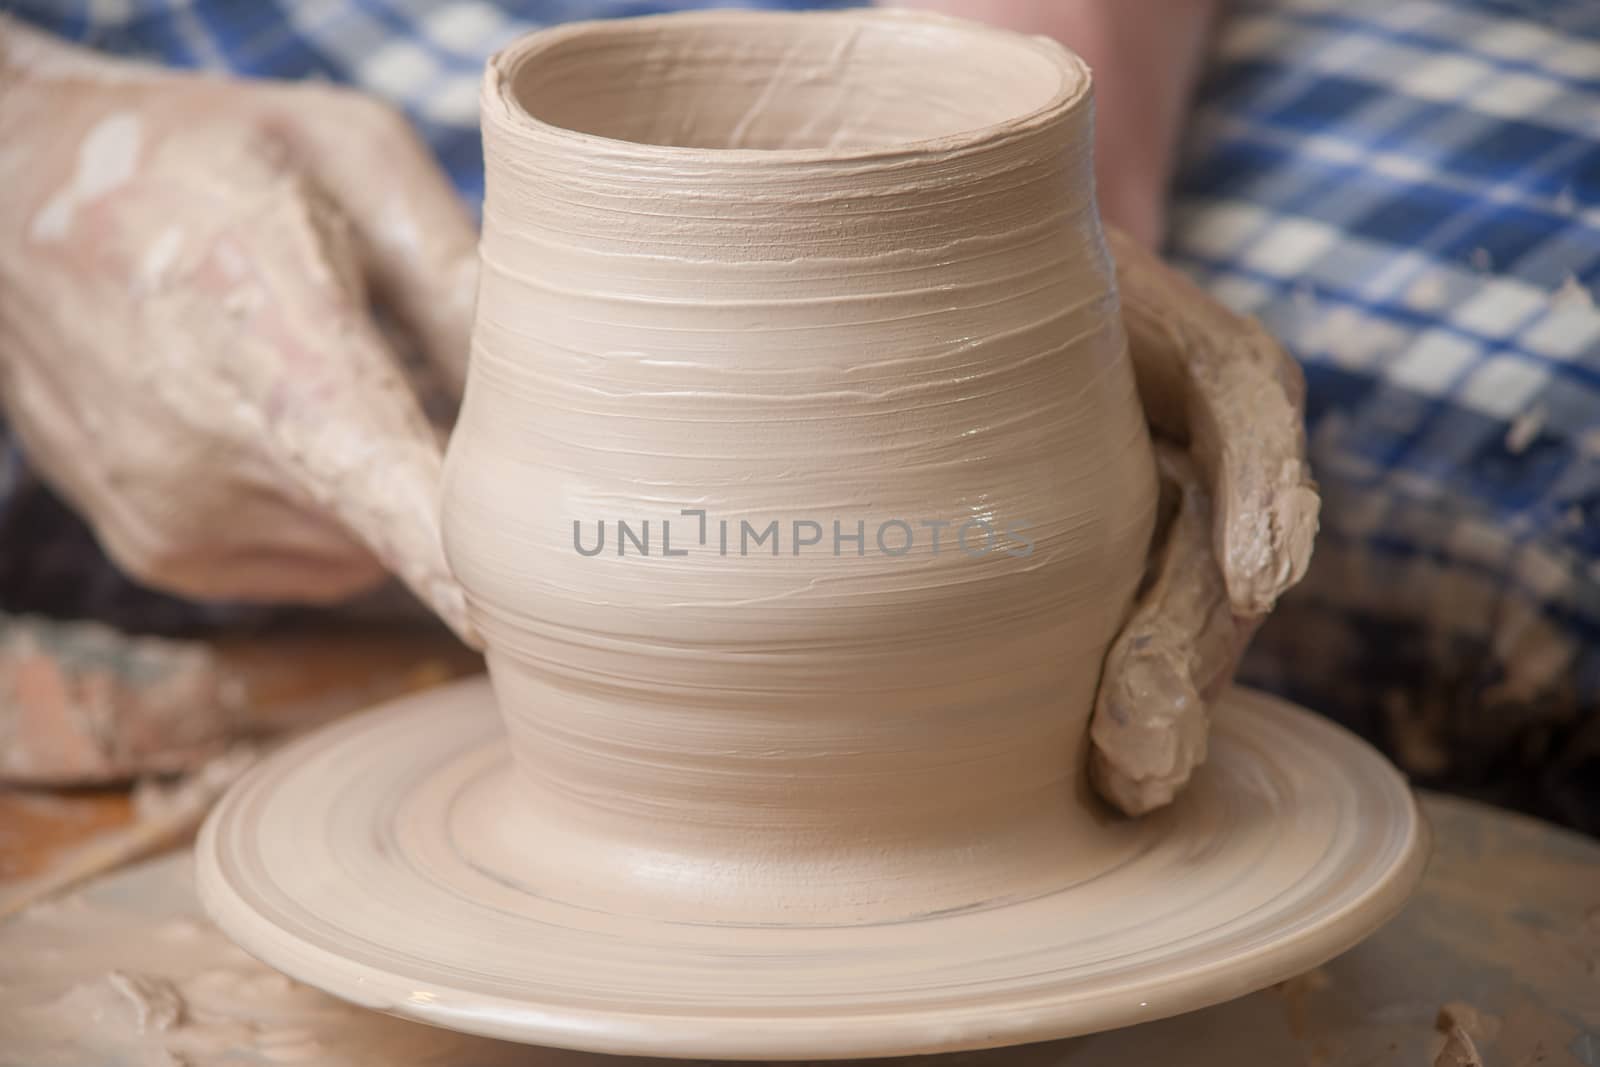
(745, 268)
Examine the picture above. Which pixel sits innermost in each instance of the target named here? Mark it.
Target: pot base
(339, 862)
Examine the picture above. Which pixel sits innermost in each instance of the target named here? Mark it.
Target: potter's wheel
(334, 862)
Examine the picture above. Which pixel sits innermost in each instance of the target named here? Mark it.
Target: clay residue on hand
(188, 350)
(1175, 655)
(1221, 384)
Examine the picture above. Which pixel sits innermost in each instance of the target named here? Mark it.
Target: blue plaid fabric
(424, 55)
(1408, 195)
(1406, 191)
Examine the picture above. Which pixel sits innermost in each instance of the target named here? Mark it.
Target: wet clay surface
(1501, 942)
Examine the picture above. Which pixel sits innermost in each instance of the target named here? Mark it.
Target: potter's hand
(186, 349)
(1226, 406)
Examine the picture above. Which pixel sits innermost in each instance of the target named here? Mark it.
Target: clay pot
(800, 270)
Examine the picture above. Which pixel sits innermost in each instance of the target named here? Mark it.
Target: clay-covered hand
(187, 350)
(1226, 406)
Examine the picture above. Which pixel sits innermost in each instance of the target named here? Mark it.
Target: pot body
(801, 482)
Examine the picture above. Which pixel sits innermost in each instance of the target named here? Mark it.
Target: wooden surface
(293, 680)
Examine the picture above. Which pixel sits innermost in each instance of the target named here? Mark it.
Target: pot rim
(499, 100)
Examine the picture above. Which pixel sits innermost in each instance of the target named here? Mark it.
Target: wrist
(1146, 57)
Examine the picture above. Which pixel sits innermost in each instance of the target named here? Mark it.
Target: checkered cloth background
(1407, 192)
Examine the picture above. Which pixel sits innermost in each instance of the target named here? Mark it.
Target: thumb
(278, 316)
(343, 425)
(373, 463)
(1174, 655)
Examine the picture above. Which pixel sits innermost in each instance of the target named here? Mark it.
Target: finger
(417, 242)
(1221, 384)
(268, 547)
(319, 390)
(1176, 654)
(282, 554)
(386, 490)
(369, 458)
